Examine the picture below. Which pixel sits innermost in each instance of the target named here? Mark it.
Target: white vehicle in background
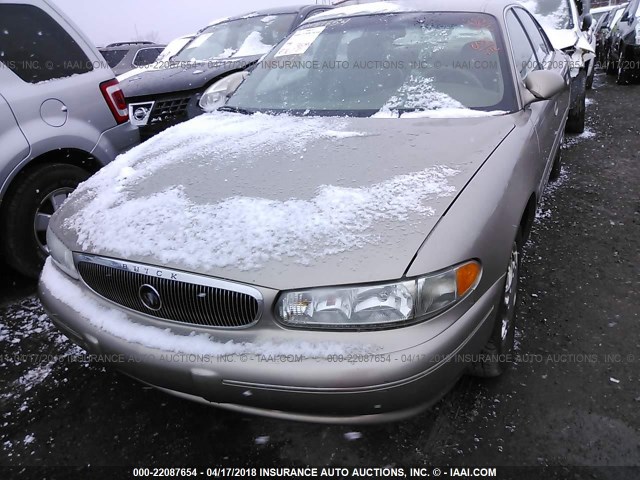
(568, 26)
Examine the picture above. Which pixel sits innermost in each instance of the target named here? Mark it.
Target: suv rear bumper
(115, 141)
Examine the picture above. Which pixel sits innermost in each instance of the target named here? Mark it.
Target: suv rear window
(146, 56)
(113, 57)
(35, 47)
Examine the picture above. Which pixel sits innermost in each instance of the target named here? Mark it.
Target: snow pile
(419, 94)
(115, 322)
(245, 232)
(253, 46)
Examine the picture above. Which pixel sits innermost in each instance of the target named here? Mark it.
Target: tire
(577, 114)
(612, 67)
(623, 73)
(589, 84)
(557, 165)
(495, 355)
(37, 195)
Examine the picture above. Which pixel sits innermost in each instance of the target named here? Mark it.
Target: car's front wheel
(495, 357)
(27, 210)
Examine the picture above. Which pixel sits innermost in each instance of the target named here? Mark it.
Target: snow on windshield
(172, 228)
(553, 14)
(248, 36)
(418, 93)
(253, 46)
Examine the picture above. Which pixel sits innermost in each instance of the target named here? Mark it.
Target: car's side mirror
(543, 85)
(587, 21)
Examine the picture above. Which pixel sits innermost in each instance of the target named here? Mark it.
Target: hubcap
(48, 207)
(510, 295)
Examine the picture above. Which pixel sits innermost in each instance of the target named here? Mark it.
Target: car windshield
(245, 37)
(393, 63)
(553, 14)
(113, 57)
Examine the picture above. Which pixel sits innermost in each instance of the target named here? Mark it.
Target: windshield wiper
(227, 108)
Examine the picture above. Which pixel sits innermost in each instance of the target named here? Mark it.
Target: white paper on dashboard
(300, 42)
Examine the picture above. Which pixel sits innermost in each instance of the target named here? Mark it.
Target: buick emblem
(150, 297)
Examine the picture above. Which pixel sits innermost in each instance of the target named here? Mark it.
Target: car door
(15, 147)
(525, 61)
(622, 28)
(551, 124)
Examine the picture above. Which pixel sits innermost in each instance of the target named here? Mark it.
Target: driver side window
(524, 55)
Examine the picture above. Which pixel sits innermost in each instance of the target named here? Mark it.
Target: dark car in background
(624, 54)
(171, 92)
(125, 56)
(603, 31)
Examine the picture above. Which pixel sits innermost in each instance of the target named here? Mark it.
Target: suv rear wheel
(27, 210)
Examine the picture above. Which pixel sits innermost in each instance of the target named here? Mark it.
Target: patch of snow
(614, 380)
(351, 436)
(171, 228)
(262, 440)
(253, 45)
(28, 439)
(115, 323)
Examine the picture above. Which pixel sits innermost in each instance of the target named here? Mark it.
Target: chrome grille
(202, 303)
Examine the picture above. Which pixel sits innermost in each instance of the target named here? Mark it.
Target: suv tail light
(115, 99)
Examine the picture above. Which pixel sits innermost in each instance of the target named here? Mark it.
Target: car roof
(277, 11)
(131, 45)
(367, 7)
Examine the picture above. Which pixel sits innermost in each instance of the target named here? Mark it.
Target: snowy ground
(573, 398)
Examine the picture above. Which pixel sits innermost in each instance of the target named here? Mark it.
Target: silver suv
(62, 117)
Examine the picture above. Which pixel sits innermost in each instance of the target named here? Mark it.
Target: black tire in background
(23, 246)
(623, 77)
(590, 77)
(495, 357)
(577, 114)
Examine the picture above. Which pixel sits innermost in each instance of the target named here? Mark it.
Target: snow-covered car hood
(279, 201)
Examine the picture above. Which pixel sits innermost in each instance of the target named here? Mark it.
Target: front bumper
(392, 375)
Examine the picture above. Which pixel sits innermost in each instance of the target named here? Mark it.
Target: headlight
(61, 255)
(379, 305)
(217, 94)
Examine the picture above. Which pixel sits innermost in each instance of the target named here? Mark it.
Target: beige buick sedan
(340, 241)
